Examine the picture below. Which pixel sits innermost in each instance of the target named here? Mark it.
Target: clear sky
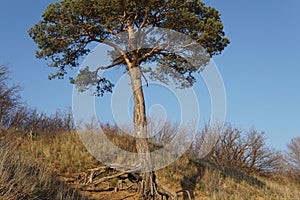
(260, 68)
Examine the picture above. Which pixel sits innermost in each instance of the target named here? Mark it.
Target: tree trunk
(147, 187)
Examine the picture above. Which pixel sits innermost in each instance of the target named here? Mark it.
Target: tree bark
(147, 189)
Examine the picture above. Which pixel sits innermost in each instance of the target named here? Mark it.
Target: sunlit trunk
(147, 188)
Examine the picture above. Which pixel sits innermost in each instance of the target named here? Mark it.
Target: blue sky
(260, 68)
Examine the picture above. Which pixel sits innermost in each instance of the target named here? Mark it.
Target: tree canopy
(69, 26)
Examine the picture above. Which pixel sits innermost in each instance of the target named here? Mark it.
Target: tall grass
(63, 152)
(23, 177)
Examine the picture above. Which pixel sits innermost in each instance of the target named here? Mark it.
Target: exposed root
(107, 178)
(92, 178)
(89, 178)
(166, 191)
(157, 189)
(185, 191)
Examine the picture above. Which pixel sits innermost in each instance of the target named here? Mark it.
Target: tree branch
(121, 61)
(150, 53)
(145, 18)
(145, 79)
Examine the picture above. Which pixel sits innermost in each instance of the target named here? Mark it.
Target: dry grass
(207, 182)
(23, 177)
(27, 166)
(64, 152)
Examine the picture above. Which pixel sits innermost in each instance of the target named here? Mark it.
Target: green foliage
(68, 27)
(88, 79)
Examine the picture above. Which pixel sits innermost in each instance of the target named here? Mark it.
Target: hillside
(54, 167)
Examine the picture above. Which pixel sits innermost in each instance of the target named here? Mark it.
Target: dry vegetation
(54, 168)
(22, 176)
(41, 157)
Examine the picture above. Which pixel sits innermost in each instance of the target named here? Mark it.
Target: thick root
(148, 187)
